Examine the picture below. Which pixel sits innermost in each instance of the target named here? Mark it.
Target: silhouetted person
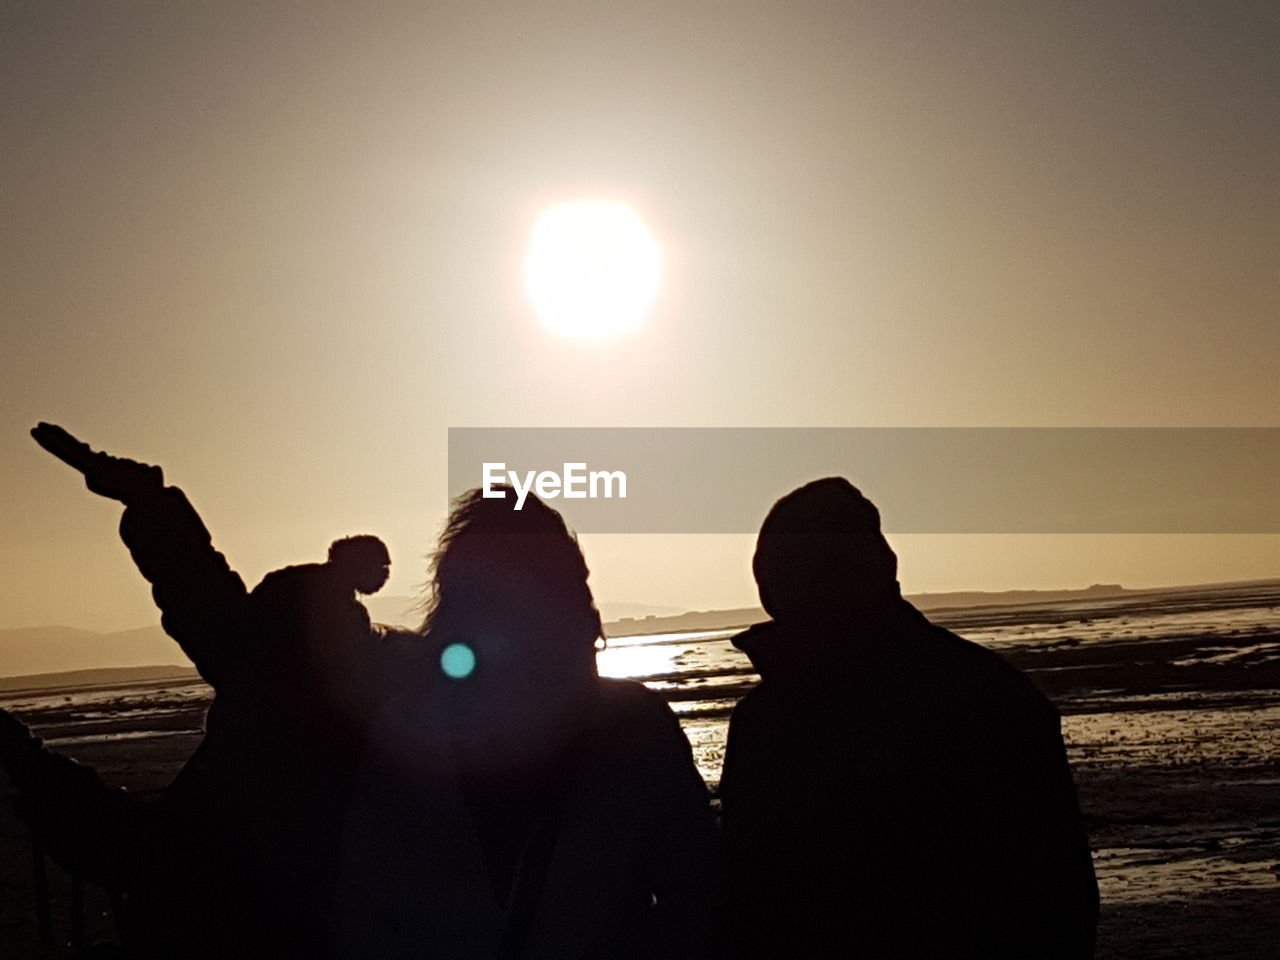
(540, 811)
(312, 613)
(245, 838)
(518, 807)
(890, 789)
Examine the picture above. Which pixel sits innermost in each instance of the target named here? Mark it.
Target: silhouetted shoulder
(627, 705)
(749, 705)
(638, 738)
(981, 677)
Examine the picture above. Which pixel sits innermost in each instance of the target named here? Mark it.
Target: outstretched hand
(108, 476)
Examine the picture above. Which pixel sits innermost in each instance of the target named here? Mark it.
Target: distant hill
(617, 609)
(406, 611)
(682, 622)
(28, 652)
(743, 616)
(111, 677)
(986, 598)
(40, 650)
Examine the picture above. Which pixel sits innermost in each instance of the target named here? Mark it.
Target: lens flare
(457, 661)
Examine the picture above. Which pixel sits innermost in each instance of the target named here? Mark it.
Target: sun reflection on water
(637, 660)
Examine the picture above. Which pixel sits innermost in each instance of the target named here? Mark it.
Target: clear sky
(276, 248)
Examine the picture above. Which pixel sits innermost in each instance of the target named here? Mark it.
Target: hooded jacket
(892, 790)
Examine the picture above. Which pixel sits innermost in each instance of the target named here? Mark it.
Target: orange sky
(276, 248)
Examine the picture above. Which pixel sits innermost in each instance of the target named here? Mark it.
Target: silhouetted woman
(515, 803)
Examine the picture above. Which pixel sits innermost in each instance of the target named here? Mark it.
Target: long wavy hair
(520, 571)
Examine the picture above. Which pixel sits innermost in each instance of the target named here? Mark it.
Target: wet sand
(1171, 707)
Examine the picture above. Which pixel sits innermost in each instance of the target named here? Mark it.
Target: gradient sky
(276, 248)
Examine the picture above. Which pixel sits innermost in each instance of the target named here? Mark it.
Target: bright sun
(592, 269)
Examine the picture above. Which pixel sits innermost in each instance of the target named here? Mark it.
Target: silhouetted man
(890, 789)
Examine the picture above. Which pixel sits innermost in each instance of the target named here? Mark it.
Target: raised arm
(201, 599)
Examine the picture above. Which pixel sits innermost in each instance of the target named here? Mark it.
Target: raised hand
(108, 476)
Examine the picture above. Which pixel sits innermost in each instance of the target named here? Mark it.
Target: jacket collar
(777, 647)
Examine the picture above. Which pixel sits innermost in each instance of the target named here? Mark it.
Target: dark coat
(610, 853)
(892, 790)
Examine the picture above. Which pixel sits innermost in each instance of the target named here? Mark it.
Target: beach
(1171, 714)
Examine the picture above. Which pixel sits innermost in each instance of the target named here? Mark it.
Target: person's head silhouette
(361, 561)
(514, 628)
(821, 555)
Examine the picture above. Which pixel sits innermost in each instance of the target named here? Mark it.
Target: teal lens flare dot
(458, 661)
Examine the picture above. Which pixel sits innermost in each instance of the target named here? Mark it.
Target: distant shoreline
(930, 602)
(956, 609)
(106, 677)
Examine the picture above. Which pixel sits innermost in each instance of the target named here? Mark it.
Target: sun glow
(593, 268)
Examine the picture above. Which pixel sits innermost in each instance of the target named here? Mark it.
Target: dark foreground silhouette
(237, 856)
(517, 805)
(890, 789)
(351, 798)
